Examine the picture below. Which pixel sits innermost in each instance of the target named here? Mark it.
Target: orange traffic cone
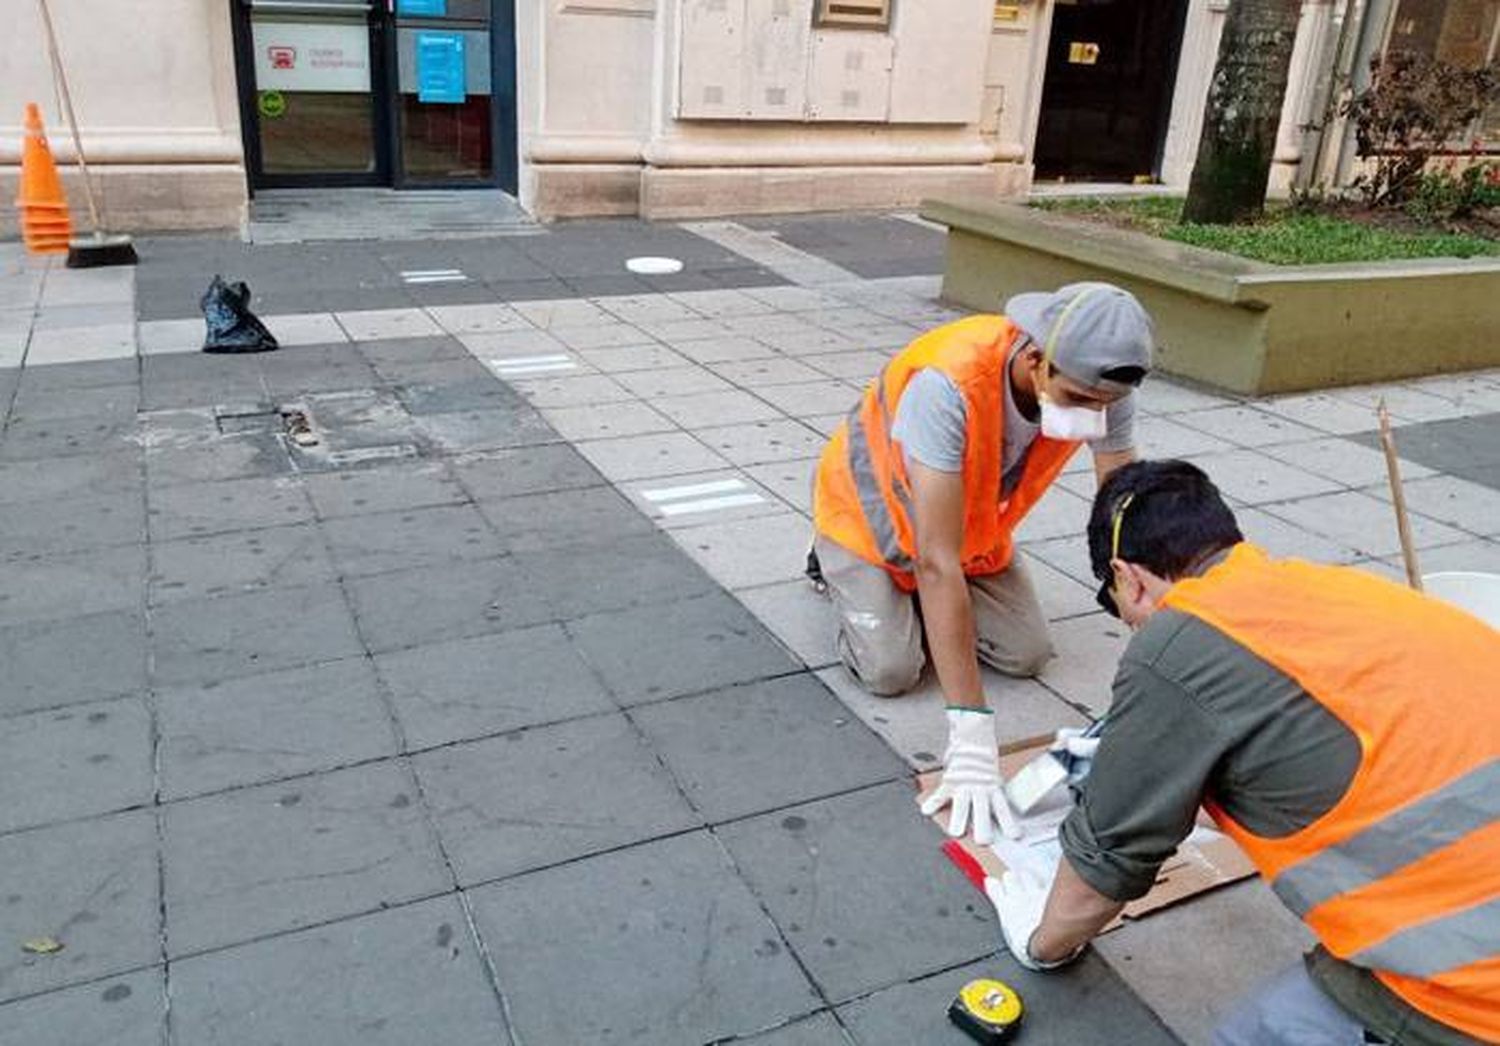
(45, 223)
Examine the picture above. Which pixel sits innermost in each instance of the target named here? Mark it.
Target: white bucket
(1477, 593)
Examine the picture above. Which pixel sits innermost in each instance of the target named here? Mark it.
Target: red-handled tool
(966, 863)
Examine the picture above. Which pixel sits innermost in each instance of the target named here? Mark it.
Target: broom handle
(67, 99)
(1398, 498)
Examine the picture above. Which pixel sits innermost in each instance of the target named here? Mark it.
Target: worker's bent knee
(889, 680)
(1024, 661)
(882, 672)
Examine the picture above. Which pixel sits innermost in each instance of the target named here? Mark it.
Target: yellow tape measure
(988, 1010)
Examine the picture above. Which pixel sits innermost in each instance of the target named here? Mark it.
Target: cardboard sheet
(1207, 859)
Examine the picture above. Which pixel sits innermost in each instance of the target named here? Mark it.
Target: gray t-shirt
(930, 425)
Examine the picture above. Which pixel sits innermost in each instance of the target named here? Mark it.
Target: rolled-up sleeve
(1156, 755)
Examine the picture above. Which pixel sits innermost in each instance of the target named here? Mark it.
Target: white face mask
(1072, 423)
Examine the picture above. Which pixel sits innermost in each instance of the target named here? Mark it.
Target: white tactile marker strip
(434, 276)
(527, 366)
(702, 497)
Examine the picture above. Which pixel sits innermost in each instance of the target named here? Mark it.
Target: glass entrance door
(318, 108)
(444, 117)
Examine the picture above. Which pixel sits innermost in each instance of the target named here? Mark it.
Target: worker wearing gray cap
(920, 490)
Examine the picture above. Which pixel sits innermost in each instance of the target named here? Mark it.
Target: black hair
(1175, 520)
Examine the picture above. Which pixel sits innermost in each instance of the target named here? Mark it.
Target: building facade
(670, 108)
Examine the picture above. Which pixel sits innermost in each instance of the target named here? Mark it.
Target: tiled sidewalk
(423, 733)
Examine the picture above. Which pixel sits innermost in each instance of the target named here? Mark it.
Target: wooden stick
(1398, 497)
(67, 97)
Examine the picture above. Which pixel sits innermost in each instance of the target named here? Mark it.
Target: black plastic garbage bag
(232, 327)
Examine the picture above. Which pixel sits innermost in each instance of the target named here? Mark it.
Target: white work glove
(1070, 739)
(971, 779)
(1020, 898)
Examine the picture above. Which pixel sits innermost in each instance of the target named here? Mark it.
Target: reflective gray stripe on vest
(871, 500)
(1433, 822)
(1446, 943)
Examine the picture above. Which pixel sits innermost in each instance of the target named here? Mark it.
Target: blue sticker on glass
(440, 68)
(430, 8)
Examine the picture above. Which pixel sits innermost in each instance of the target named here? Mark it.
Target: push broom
(99, 248)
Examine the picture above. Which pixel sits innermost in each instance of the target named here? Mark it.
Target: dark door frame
(1163, 117)
(505, 159)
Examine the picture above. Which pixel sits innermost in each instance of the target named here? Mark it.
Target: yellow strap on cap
(1050, 348)
(1114, 544)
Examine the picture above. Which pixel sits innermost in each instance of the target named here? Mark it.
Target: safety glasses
(1106, 593)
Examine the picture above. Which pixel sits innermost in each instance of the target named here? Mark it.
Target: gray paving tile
(593, 515)
(715, 643)
(454, 601)
(622, 419)
(818, 1030)
(121, 1011)
(453, 397)
(624, 359)
(1343, 461)
(710, 409)
(199, 640)
(258, 454)
(480, 430)
(245, 561)
(47, 479)
(255, 861)
(1062, 1008)
(90, 885)
(1458, 502)
(761, 442)
(389, 487)
(650, 929)
(1254, 478)
(201, 509)
(1247, 937)
(1468, 555)
(744, 552)
(650, 455)
(525, 470)
(858, 885)
(88, 375)
(75, 762)
(1362, 522)
(49, 664)
(398, 352)
(633, 571)
(408, 975)
(219, 735)
(526, 800)
(289, 380)
(61, 437)
(386, 541)
(470, 688)
(1468, 448)
(114, 403)
(1246, 426)
(79, 584)
(748, 749)
(799, 616)
(33, 529)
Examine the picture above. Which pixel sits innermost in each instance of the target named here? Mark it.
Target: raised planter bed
(1245, 326)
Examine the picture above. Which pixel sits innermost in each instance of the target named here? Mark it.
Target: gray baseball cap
(1087, 329)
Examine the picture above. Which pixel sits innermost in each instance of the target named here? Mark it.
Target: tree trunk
(1244, 111)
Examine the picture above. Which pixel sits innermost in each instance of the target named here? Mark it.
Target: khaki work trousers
(880, 631)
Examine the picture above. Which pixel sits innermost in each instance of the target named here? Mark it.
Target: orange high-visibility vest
(1402, 876)
(862, 498)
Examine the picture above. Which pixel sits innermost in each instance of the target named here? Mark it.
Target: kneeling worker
(1340, 727)
(921, 489)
